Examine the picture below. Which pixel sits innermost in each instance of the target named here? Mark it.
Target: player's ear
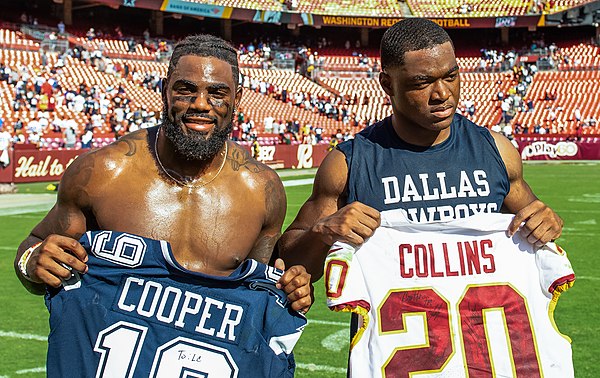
(238, 96)
(163, 89)
(385, 81)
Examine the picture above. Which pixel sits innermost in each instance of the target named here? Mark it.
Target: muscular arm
(295, 281)
(58, 231)
(275, 207)
(541, 223)
(324, 219)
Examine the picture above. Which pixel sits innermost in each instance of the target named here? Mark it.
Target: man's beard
(195, 145)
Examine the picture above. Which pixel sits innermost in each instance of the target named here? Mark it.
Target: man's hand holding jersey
(352, 224)
(50, 262)
(538, 223)
(295, 282)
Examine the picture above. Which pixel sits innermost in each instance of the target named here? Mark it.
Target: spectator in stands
(549, 95)
(255, 149)
(552, 114)
(529, 102)
(577, 115)
(318, 133)
(90, 34)
(333, 142)
(5, 144)
(87, 137)
(268, 124)
(421, 76)
(591, 122)
(4, 72)
(145, 178)
(70, 137)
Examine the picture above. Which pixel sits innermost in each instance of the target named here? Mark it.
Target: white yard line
(297, 172)
(23, 336)
(327, 322)
(299, 182)
(586, 278)
(34, 370)
(22, 216)
(325, 368)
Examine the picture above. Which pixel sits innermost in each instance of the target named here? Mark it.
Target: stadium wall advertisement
(289, 17)
(31, 165)
(28, 165)
(561, 150)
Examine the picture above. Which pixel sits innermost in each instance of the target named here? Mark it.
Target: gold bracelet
(25, 259)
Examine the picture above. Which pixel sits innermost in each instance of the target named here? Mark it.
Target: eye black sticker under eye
(188, 99)
(217, 102)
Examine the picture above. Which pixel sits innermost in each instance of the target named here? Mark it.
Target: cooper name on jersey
(427, 187)
(182, 309)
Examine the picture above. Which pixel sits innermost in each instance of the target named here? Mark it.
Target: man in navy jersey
(182, 182)
(424, 158)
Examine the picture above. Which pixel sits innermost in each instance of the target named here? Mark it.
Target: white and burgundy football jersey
(451, 299)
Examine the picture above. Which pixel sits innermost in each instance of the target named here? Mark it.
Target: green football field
(573, 190)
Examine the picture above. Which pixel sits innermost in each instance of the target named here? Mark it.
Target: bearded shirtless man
(183, 182)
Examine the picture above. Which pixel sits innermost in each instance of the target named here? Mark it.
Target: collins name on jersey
(451, 299)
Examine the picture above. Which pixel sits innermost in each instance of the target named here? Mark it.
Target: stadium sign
(195, 8)
(32, 165)
(383, 22)
(448, 23)
(28, 167)
(543, 148)
(561, 150)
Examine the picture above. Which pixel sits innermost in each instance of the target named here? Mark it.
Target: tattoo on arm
(240, 158)
(263, 249)
(86, 171)
(274, 199)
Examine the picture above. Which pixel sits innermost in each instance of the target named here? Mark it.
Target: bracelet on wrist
(25, 259)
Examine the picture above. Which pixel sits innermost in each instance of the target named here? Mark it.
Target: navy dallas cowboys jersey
(460, 177)
(138, 313)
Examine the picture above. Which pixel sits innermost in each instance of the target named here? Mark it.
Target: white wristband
(25, 259)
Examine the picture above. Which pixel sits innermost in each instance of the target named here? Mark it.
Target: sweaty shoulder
(251, 171)
(95, 169)
(255, 181)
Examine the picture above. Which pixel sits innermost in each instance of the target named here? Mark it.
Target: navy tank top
(459, 177)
